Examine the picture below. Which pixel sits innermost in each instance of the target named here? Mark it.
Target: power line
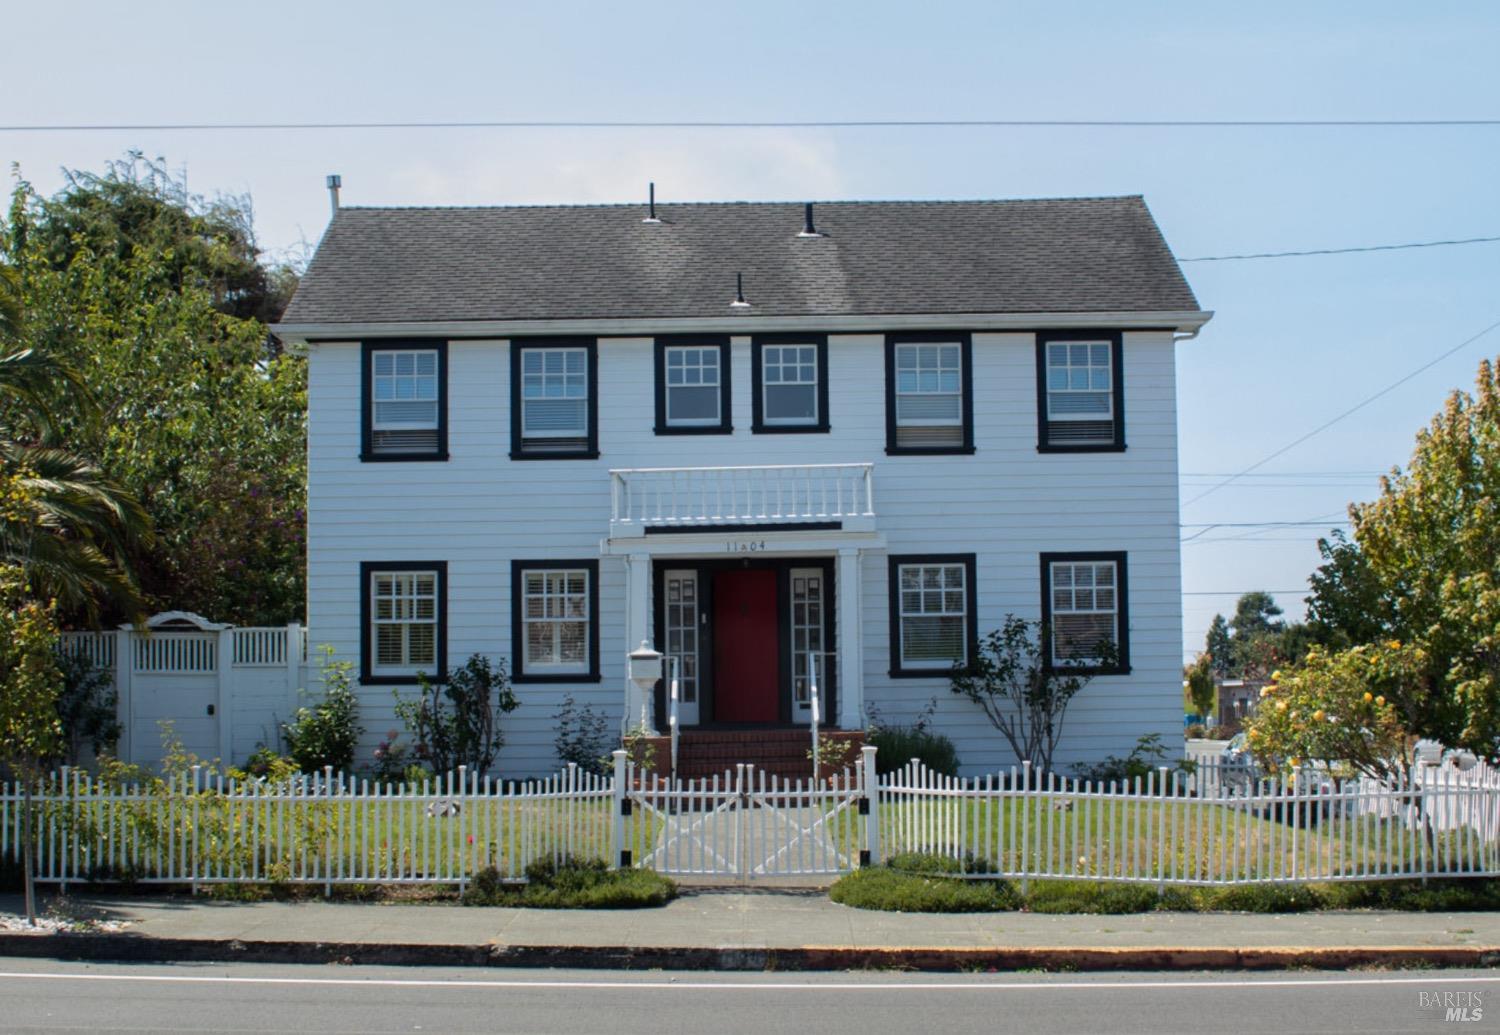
(1343, 251)
(1238, 592)
(89, 127)
(1349, 412)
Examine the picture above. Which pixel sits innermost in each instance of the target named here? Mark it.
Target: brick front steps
(776, 752)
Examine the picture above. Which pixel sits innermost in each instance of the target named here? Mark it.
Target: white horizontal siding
(1007, 503)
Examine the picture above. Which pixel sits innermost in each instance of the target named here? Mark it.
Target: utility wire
(1343, 251)
(96, 127)
(1347, 413)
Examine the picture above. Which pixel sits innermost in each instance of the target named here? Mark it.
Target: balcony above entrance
(714, 499)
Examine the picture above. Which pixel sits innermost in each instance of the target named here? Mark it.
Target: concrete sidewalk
(738, 929)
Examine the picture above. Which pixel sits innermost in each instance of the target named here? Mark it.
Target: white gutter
(1190, 320)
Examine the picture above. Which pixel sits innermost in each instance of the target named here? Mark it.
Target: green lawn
(1182, 840)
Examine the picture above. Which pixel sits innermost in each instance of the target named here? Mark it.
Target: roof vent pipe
(651, 205)
(808, 230)
(739, 293)
(335, 181)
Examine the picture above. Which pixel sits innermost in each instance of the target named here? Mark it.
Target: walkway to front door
(747, 655)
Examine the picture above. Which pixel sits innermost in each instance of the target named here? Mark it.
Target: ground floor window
(405, 621)
(1084, 608)
(932, 603)
(555, 632)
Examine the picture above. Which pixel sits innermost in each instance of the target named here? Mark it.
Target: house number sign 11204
(744, 545)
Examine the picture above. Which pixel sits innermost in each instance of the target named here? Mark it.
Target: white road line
(726, 986)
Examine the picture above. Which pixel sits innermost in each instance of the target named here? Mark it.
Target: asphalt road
(43, 996)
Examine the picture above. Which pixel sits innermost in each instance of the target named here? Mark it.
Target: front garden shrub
(1148, 756)
(899, 891)
(325, 735)
(896, 744)
(87, 707)
(457, 723)
(572, 883)
(583, 737)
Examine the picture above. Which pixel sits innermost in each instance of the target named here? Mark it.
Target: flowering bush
(1342, 708)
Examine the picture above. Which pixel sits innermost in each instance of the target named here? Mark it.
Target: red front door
(746, 652)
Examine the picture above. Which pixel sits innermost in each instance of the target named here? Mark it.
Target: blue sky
(1294, 341)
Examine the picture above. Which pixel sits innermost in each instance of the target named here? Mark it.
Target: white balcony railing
(681, 497)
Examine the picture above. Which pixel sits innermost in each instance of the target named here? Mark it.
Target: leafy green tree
(157, 299)
(1203, 693)
(1024, 696)
(1219, 648)
(30, 734)
(1255, 614)
(1422, 571)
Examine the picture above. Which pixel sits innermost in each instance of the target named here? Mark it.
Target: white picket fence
(200, 828)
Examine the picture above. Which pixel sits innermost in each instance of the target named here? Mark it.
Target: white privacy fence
(224, 689)
(199, 828)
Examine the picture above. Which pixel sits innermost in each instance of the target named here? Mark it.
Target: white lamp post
(645, 672)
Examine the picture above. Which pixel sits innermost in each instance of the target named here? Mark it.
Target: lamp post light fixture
(645, 672)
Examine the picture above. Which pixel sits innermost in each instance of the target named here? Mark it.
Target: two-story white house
(771, 439)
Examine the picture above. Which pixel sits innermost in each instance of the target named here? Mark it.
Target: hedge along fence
(1164, 829)
(197, 827)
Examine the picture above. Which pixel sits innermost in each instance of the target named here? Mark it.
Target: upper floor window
(554, 628)
(405, 627)
(405, 402)
(789, 389)
(554, 399)
(1080, 400)
(929, 393)
(933, 622)
(692, 385)
(1083, 609)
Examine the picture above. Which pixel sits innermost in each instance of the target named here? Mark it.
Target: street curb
(140, 949)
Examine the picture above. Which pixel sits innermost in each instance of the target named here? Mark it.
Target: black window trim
(758, 426)
(966, 344)
(517, 442)
(726, 417)
(1122, 612)
(367, 569)
(518, 673)
(1117, 377)
(368, 349)
(893, 607)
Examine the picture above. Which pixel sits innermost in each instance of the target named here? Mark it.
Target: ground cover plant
(931, 883)
(573, 883)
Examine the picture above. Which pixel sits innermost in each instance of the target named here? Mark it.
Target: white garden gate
(747, 825)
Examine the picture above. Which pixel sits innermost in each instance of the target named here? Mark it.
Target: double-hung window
(554, 399)
(405, 627)
(1084, 611)
(929, 394)
(789, 383)
(405, 401)
(692, 385)
(555, 631)
(933, 623)
(1080, 401)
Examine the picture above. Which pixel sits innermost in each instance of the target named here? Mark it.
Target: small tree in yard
(1014, 683)
(326, 734)
(458, 722)
(30, 680)
(1202, 693)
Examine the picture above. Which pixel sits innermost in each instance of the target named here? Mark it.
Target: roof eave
(1186, 321)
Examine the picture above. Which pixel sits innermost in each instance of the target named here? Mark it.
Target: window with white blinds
(933, 603)
(556, 620)
(1085, 605)
(554, 399)
(405, 402)
(927, 393)
(1079, 384)
(403, 622)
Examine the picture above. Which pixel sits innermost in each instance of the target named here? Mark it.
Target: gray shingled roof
(878, 257)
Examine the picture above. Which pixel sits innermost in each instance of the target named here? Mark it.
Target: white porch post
(637, 631)
(850, 650)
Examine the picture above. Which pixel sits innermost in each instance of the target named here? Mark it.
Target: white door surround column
(850, 650)
(637, 631)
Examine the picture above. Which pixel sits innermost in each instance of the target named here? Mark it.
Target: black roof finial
(808, 230)
(739, 293)
(651, 204)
